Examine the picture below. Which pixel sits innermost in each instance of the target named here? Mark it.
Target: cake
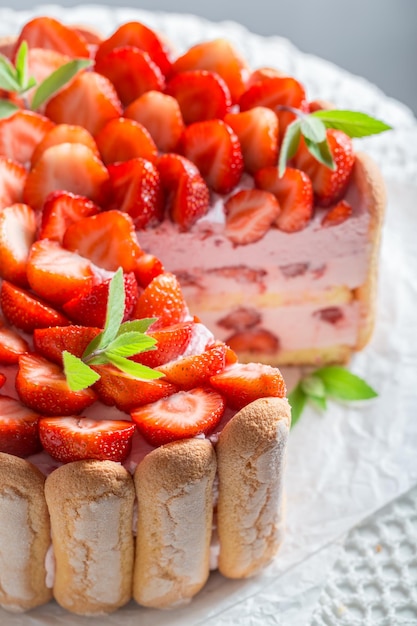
(229, 268)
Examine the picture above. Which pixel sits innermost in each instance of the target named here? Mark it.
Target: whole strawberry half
(18, 428)
(12, 345)
(116, 388)
(60, 210)
(12, 181)
(243, 383)
(123, 139)
(69, 439)
(51, 342)
(195, 370)
(89, 308)
(187, 195)
(17, 234)
(26, 311)
(328, 185)
(21, 133)
(179, 416)
(215, 149)
(250, 214)
(64, 133)
(163, 299)
(171, 342)
(49, 33)
(42, 386)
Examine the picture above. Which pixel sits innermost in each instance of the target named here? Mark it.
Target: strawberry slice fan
(172, 229)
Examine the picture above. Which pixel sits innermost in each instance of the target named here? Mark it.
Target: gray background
(376, 39)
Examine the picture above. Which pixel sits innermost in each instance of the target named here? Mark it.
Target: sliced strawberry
(125, 392)
(60, 210)
(27, 312)
(12, 345)
(51, 342)
(41, 64)
(140, 36)
(100, 102)
(250, 213)
(64, 133)
(202, 95)
(69, 439)
(12, 181)
(162, 299)
(275, 92)
(17, 234)
(180, 416)
(42, 386)
(135, 188)
(47, 32)
(328, 185)
(337, 214)
(70, 167)
(108, 239)
(90, 34)
(131, 71)
(171, 342)
(294, 193)
(57, 274)
(89, 307)
(187, 195)
(215, 150)
(262, 73)
(122, 139)
(217, 55)
(147, 267)
(2, 379)
(257, 131)
(20, 134)
(195, 370)
(18, 428)
(7, 46)
(243, 383)
(161, 115)
(254, 341)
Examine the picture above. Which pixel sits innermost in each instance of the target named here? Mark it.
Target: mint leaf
(297, 399)
(353, 123)
(129, 344)
(134, 369)
(289, 145)
(319, 403)
(78, 374)
(138, 326)
(313, 386)
(313, 129)
(7, 108)
(115, 309)
(321, 152)
(55, 81)
(21, 65)
(8, 76)
(343, 385)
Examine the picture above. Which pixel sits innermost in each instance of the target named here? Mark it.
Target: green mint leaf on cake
(330, 382)
(117, 341)
(16, 79)
(79, 375)
(312, 127)
(353, 123)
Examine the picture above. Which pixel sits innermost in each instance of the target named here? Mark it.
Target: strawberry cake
(167, 238)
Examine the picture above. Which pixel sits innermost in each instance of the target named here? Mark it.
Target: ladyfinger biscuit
(251, 460)
(91, 508)
(24, 536)
(174, 487)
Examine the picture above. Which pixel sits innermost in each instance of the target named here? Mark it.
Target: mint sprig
(16, 79)
(332, 381)
(114, 344)
(312, 126)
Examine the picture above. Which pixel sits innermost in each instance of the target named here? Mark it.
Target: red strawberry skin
(182, 415)
(17, 234)
(171, 342)
(41, 385)
(72, 438)
(18, 428)
(27, 312)
(89, 308)
(195, 370)
(51, 342)
(162, 299)
(250, 213)
(61, 209)
(116, 388)
(242, 383)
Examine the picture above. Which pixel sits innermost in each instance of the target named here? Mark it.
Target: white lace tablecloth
(351, 472)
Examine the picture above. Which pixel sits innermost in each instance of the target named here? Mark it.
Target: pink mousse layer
(277, 276)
